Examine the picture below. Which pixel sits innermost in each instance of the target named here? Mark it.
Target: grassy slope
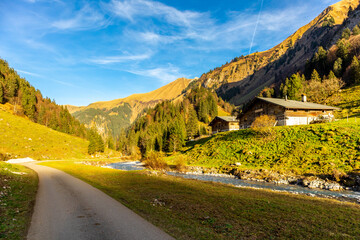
(314, 149)
(17, 196)
(23, 138)
(200, 210)
(348, 100)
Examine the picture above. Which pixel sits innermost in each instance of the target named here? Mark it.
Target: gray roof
(225, 118)
(291, 104)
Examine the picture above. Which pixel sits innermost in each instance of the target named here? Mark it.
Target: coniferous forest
(28, 101)
(167, 126)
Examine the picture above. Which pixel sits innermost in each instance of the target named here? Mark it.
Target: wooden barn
(224, 124)
(287, 112)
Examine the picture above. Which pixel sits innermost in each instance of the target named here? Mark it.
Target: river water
(353, 196)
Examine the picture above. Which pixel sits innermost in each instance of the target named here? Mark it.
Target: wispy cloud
(119, 59)
(29, 73)
(164, 74)
(44, 78)
(202, 30)
(86, 18)
(130, 9)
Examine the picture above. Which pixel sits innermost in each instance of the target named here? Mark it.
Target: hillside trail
(67, 208)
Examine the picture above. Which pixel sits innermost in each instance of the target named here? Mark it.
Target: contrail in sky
(257, 23)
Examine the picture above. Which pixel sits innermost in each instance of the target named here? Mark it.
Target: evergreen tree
(319, 61)
(96, 143)
(338, 67)
(293, 86)
(355, 71)
(28, 102)
(343, 50)
(331, 75)
(192, 124)
(356, 30)
(315, 76)
(11, 86)
(346, 34)
(284, 88)
(177, 136)
(110, 143)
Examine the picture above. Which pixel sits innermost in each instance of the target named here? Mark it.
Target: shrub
(155, 160)
(180, 163)
(338, 175)
(264, 124)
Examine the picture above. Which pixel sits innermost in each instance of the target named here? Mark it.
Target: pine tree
(294, 85)
(284, 88)
(315, 76)
(110, 143)
(343, 50)
(355, 70)
(11, 86)
(346, 33)
(331, 75)
(356, 30)
(338, 67)
(192, 124)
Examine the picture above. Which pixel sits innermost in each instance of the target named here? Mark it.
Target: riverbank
(189, 209)
(199, 173)
(352, 181)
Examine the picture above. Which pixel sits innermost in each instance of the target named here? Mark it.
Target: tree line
(167, 126)
(28, 101)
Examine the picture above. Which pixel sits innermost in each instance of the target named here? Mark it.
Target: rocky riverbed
(263, 175)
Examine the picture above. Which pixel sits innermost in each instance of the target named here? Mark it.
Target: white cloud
(198, 30)
(130, 9)
(84, 19)
(29, 73)
(118, 59)
(163, 74)
(42, 77)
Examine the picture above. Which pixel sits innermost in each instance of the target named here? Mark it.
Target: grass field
(189, 209)
(18, 186)
(312, 149)
(20, 137)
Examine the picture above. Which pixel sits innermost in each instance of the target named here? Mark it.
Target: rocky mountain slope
(245, 77)
(109, 117)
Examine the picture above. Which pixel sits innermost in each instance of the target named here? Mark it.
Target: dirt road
(67, 208)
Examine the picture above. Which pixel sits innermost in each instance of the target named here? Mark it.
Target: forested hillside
(28, 101)
(110, 117)
(326, 73)
(167, 126)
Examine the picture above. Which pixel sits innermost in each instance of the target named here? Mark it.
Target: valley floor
(188, 209)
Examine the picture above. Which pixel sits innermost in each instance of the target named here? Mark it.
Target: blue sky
(78, 52)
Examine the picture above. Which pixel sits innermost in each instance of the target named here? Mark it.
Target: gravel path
(67, 208)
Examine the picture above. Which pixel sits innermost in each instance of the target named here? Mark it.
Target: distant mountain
(238, 81)
(244, 77)
(109, 117)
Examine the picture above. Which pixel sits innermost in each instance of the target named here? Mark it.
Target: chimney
(303, 98)
(285, 97)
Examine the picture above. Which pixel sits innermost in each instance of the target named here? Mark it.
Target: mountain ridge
(109, 117)
(244, 77)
